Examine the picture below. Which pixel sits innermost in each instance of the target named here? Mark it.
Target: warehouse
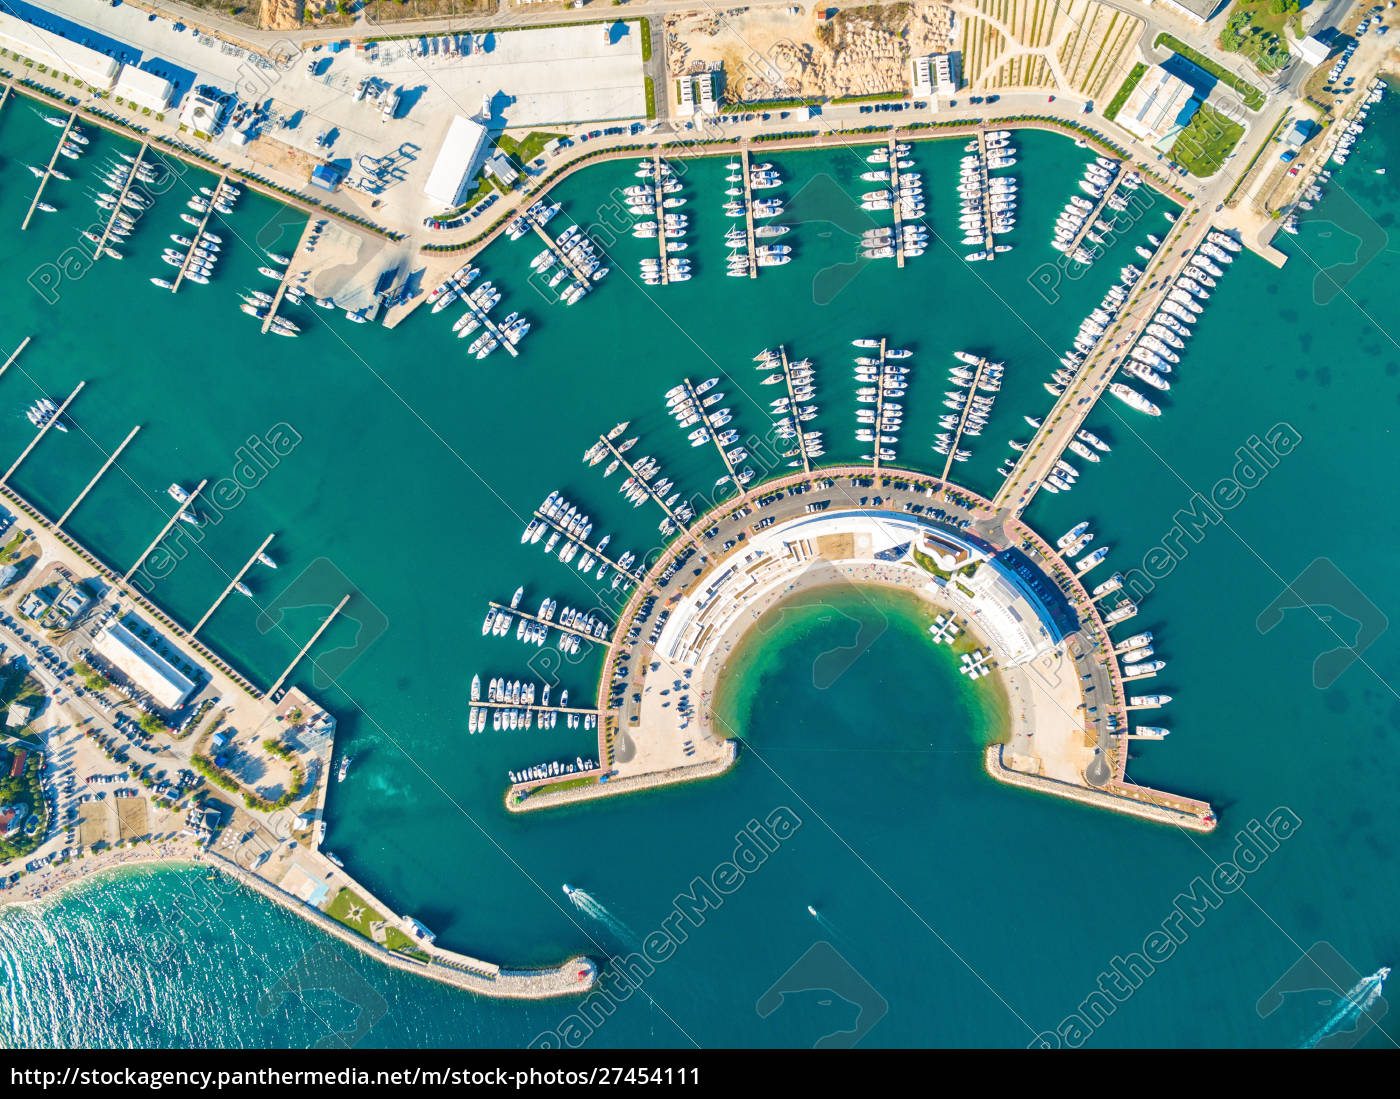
(456, 163)
(144, 666)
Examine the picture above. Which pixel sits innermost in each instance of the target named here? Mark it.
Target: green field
(1201, 148)
(1121, 96)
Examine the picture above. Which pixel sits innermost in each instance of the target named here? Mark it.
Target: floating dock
(285, 284)
(606, 639)
(198, 233)
(658, 196)
(898, 206)
(598, 554)
(179, 512)
(38, 435)
(876, 446)
(307, 647)
(232, 584)
(15, 354)
(1109, 192)
(48, 171)
(792, 410)
(748, 212)
(126, 190)
(713, 432)
(982, 364)
(564, 257)
(650, 491)
(111, 458)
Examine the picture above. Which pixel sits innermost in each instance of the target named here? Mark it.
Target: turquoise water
(980, 915)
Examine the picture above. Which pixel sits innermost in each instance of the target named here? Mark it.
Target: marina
(540, 776)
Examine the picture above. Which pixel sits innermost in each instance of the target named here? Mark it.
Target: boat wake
(591, 907)
(1355, 1003)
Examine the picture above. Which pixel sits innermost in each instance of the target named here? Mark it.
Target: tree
(1230, 39)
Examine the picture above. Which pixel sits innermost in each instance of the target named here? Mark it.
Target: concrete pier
(272, 691)
(111, 459)
(180, 511)
(1092, 376)
(48, 171)
(224, 594)
(38, 435)
(748, 212)
(285, 284)
(1098, 210)
(564, 257)
(126, 190)
(898, 210)
(194, 240)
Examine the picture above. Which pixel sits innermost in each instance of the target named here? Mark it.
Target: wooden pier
(982, 365)
(1098, 210)
(307, 647)
(111, 458)
(117, 210)
(48, 171)
(792, 409)
(180, 511)
(38, 435)
(898, 210)
(551, 623)
(713, 432)
(660, 502)
(748, 212)
(232, 584)
(659, 198)
(198, 233)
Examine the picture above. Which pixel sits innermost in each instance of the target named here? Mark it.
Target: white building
(145, 667)
(1159, 107)
(144, 89)
(935, 74)
(456, 162)
(1311, 51)
(201, 114)
(94, 69)
(1197, 11)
